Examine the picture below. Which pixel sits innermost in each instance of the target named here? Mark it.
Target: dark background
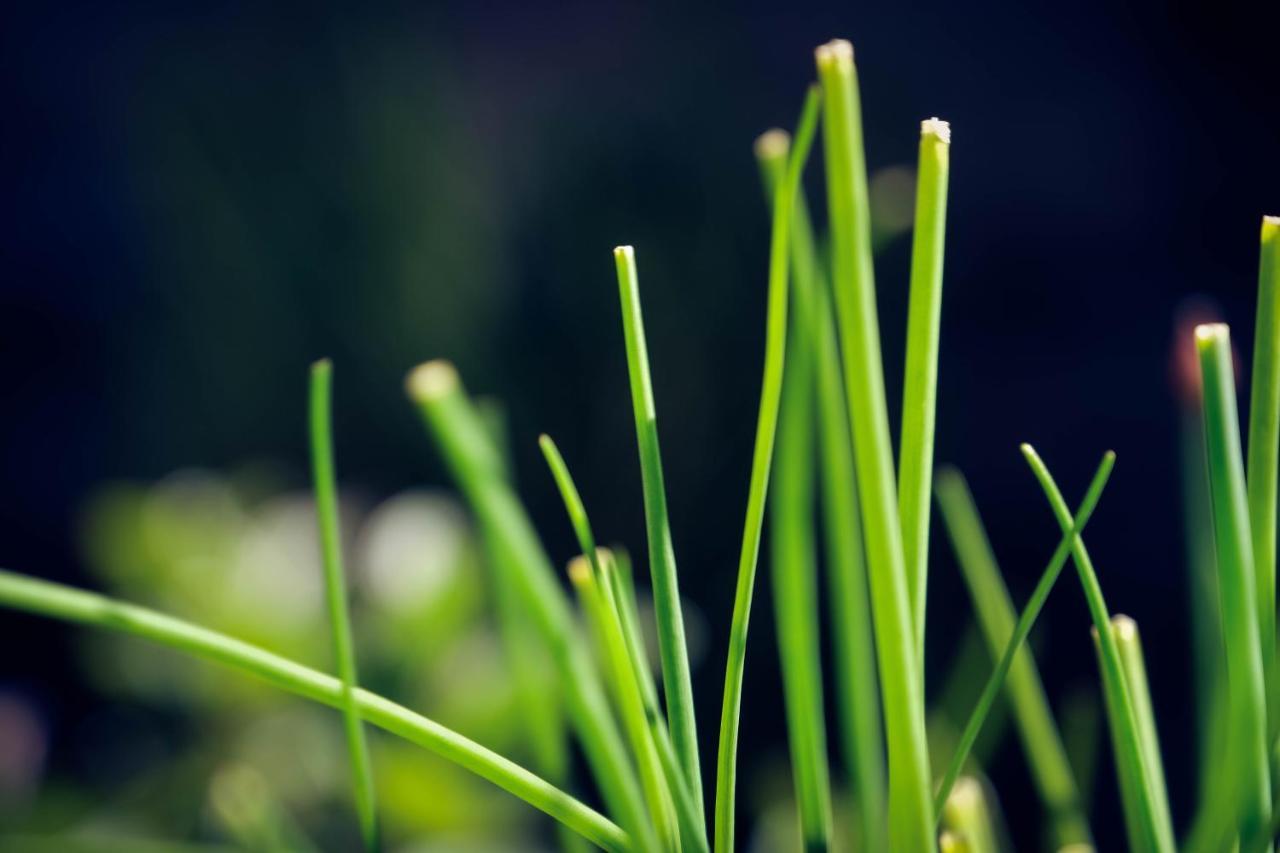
(196, 203)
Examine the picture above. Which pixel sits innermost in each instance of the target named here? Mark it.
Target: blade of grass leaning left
(326, 496)
(762, 457)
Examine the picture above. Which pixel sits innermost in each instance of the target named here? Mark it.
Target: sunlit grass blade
(1264, 457)
(1040, 739)
(857, 691)
(967, 816)
(1247, 747)
(761, 461)
(1025, 622)
(1148, 831)
(477, 467)
(673, 650)
(86, 608)
(910, 805)
(793, 557)
(920, 387)
(326, 494)
(1125, 631)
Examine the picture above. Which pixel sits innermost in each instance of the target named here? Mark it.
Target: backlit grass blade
(1147, 831)
(1040, 739)
(326, 493)
(1247, 747)
(793, 557)
(967, 816)
(920, 388)
(477, 467)
(1025, 622)
(97, 611)
(761, 460)
(857, 690)
(910, 805)
(673, 652)
(1264, 457)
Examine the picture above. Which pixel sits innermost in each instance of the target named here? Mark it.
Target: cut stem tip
(773, 143)
(835, 52)
(624, 252)
(936, 127)
(431, 381)
(1208, 333)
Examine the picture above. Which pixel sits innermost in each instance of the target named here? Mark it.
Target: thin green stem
(1148, 832)
(1237, 588)
(477, 467)
(1264, 457)
(1040, 738)
(920, 388)
(673, 649)
(1129, 643)
(1025, 622)
(86, 608)
(910, 806)
(762, 457)
(326, 494)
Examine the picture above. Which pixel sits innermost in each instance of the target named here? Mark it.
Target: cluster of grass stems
(823, 458)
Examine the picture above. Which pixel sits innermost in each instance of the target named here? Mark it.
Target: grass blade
(761, 460)
(1237, 589)
(1148, 832)
(910, 806)
(97, 611)
(672, 647)
(450, 417)
(920, 388)
(1025, 622)
(1264, 457)
(1040, 738)
(326, 493)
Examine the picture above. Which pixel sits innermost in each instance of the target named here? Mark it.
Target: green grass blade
(477, 467)
(86, 608)
(1149, 832)
(1247, 748)
(673, 651)
(761, 461)
(910, 805)
(326, 494)
(1025, 622)
(1040, 738)
(572, 503)
(1264, 457)
(857, 690)
(1129, 643)
(967, 817)
(920, 388)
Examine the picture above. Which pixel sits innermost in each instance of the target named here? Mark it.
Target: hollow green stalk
(1040, 738)
(477, 467)
(673, 650)
(968, 817)
(86, 608)
(762, 458)
(1264, 457)
(326, 495)
(1025, 622)
(1247, 747)
(910, 805)
(920, 387)
(1148, 831)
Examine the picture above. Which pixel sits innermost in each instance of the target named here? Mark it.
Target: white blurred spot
(408, 548)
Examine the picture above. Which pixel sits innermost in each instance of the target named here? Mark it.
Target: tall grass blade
(920, 388)
(1147, 831)
(450, 417)
(1025, 622)
(1247, 747)
(1264, 457)
(672, 647)
(761, 461)
(57, 601)
(910, 805)
(1040, 738)
(326, 493)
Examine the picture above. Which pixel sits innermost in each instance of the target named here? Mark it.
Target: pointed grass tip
(431, 381)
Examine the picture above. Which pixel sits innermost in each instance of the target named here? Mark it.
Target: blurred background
(199, 201)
